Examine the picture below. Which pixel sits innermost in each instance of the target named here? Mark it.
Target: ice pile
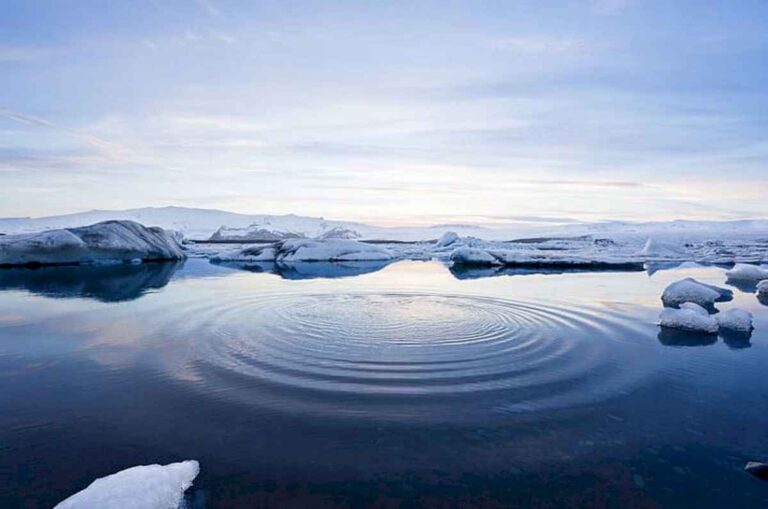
(689, 317)
(306, 250)
(747, 272)
(687, 307)
(141, 487)
(110, 241)
(690, 290)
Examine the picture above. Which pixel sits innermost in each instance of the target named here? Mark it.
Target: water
(364, 385)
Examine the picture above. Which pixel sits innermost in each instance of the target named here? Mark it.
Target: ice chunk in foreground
(690, 290)
(736, 320)
(142, 487)
(747, 272)
(447, 239)
(110, 241)
(657, 250)
(690, 317)
(307, 250)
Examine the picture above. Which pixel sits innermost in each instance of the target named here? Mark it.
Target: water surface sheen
(358, 386)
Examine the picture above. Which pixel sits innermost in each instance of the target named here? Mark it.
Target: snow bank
(736, 320)
(747, 272)
(110, 241)
(658, 250)
(305, 250)
(690, 290)
(142, 487)
(447, 239)
(690, 317)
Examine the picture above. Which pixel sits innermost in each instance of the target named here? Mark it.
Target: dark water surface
(363, 385)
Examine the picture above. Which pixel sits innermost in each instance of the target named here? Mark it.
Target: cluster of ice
(109, 241)
(141, 487)
(305, 250)
(528, 257)
(689, 317)
(690, 290)
(747, 272)
(736, 320)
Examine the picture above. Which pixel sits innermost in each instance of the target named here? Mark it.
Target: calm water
(364, 385)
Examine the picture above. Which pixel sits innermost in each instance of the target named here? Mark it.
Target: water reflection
(675, 337)
(743, 285)
(111, 283)
(460, 271)
(309, 270)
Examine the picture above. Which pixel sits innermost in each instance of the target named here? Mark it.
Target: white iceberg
(690, 317)
(306, 250)
(141, 487)
(657, 250)
(690, 290)
(474, 256)
(110, 241)
(446, 239)
(747, 272)
(736, 320)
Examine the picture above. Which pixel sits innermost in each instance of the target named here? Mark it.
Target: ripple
(408, 355)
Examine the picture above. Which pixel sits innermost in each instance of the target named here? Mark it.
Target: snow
(107, 242)
(141, 487)
(747, 272)
(690, 317)
(305, 250)
(447, 239)
(736, 320)
(658, 250)
(690, 290)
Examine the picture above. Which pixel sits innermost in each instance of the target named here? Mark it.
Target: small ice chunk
(141, 487)
(690, 290)
(447, 239)
(747, 272)
(737, 320)
(762, 289)
(690, 317)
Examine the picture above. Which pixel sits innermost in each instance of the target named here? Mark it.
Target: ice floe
(747, 272)
(305, 250)
(110, 241)
(689, 317)
(690, 290)
(141, 487)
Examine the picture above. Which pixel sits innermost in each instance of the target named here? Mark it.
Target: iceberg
(690, 290)
(447, 239)
(690, 317)
(735, 320)
(747, 272)
(107, 242)
(657, 250)
(307, 250)
(141, 487)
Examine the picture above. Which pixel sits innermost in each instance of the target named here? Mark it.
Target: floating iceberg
(657, 250)
(142, 487)
(747, 272)
(534, 258)
(690, 317)
(690, 290)
(110, 241)
(306, 250)
(735, 320)
(447, 239)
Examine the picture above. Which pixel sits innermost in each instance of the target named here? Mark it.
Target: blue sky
(387, 112)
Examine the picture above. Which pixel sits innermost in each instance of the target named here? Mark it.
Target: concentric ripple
(408, 356)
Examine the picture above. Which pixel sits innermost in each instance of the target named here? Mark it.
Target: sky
(393, 113)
